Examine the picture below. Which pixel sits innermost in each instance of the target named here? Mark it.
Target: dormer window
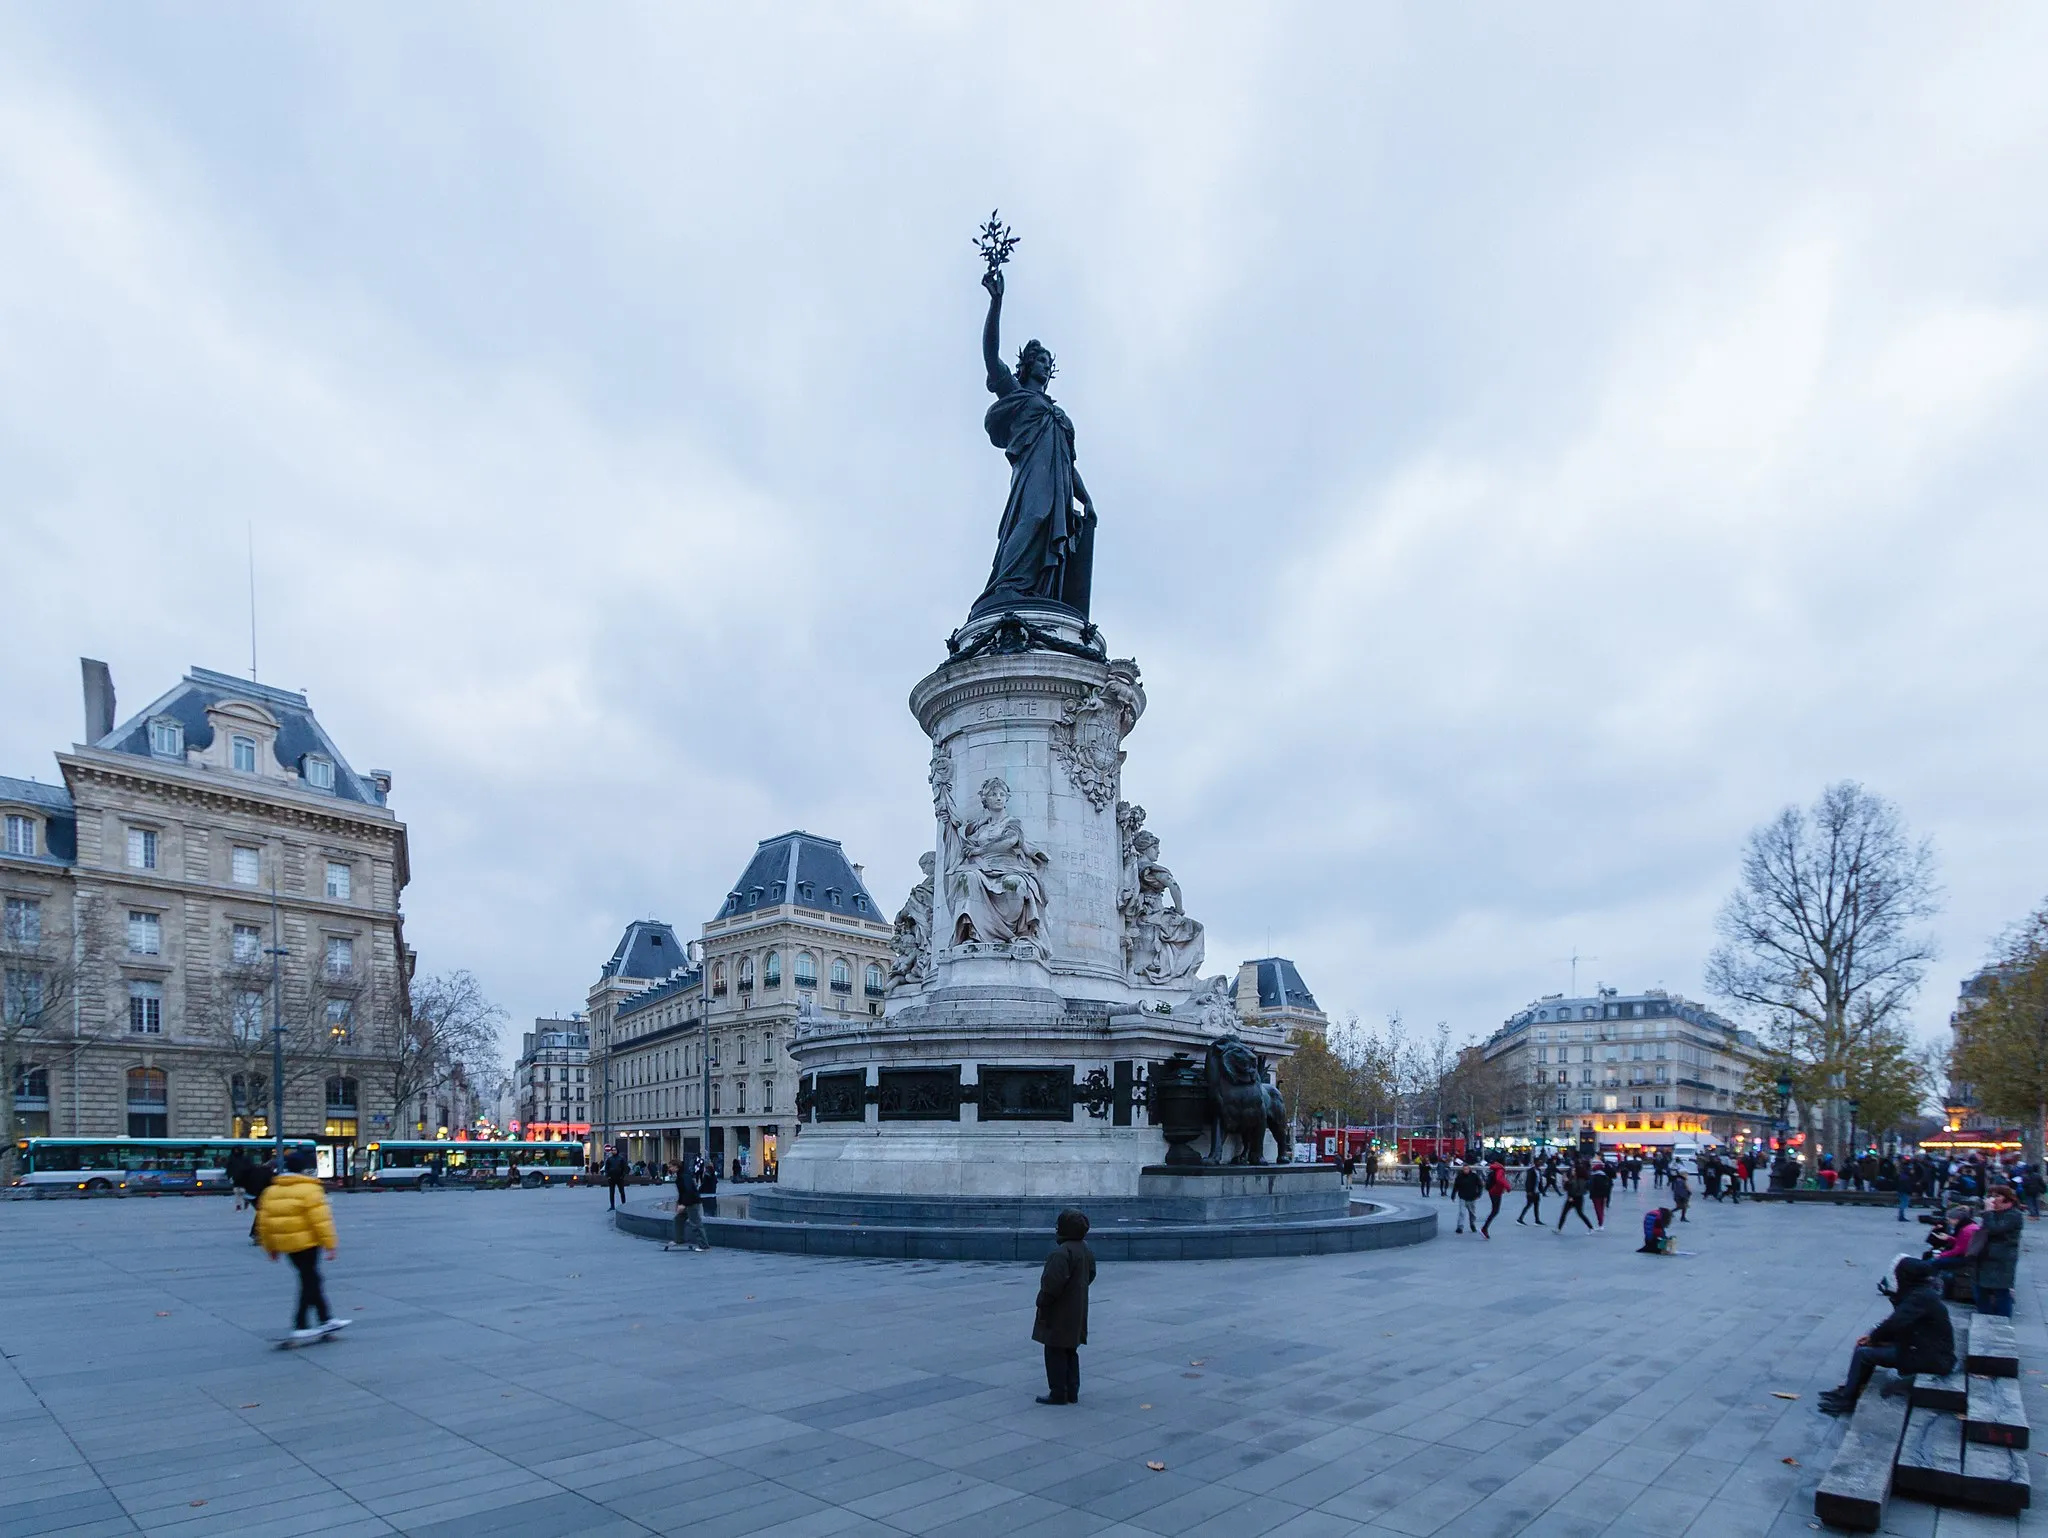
(21, 834)
(244, 750)
(804, 890)
(166, 739)
(754, 898)
(775, 892)
(861, 903)
(319, 772)
(832, 895)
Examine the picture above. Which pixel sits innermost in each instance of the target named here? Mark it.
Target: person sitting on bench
(1917, 1337)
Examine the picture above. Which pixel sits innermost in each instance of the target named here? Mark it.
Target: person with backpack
(1681, 1194)
(615, 1178)
(1532, 1193)
(1917, 1336)
(690, 1233)
(1600, 1186)
(1468, 1186)
(1497, 1186)
(1656, 1231)
(252, 1177)
(292, 1219)
(1061, 1322)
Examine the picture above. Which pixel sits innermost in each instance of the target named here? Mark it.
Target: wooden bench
(1936, 1463)
(1949, 1393)
(1994, 1350)
(1995, 1415)
(1858, 1482)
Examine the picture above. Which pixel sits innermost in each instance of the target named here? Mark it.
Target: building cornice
(205, 790)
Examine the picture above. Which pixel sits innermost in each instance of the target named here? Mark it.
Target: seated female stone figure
(1161, 943)
(997, 892)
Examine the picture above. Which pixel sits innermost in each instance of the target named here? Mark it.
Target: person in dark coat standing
(1917, 1337)
(1532, 1193)
(1062, 1323)
(1998, 1260)
(615, 1179)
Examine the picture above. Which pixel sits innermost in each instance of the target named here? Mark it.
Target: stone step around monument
(1386, 1228)
(1936, 1463)
(1948, 1393)
(1995, 1416)
(1853, 1492)
(1994, 1349)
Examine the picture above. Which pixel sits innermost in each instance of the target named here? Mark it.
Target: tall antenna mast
(252, 601)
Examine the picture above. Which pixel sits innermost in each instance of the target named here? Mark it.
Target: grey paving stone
(1535, 1385)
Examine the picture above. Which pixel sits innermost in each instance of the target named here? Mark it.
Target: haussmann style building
(1625, 1072)
(143, 896)
(798, 937)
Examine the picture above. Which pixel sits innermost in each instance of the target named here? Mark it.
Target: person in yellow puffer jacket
(292, 1219)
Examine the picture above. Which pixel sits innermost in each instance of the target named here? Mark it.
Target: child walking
(292, 1219)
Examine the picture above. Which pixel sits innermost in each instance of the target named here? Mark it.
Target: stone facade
(1643, 1070)
(551, 1081)
(1270, 991)
(798, 939)
(181, 842)
(1013, 1060)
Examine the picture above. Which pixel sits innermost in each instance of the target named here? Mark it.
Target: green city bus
(419, 1165)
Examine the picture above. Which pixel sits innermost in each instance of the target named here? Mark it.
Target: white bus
(421, 1164)
(142, 1165)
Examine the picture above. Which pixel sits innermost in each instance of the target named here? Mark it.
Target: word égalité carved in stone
(1243, 1105)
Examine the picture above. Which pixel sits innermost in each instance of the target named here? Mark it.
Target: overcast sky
(1532, 446)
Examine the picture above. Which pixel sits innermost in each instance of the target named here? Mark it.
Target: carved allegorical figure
(1045, 549)
(1213, 1006)
(994, 886)
(1243, 1105)
(1089, 743)
(911, 945)
(1162, 945)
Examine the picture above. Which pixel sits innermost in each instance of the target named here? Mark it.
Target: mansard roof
(61, 820)
(648, 949)
(299, 733)
(1281, 987)
(805, 870)
(687, 982)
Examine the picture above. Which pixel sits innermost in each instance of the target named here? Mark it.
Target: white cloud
(1528, 457)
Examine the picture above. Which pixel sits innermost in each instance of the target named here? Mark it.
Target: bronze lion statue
(1243, 1105)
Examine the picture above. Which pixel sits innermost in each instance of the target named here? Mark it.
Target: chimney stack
(99, 699)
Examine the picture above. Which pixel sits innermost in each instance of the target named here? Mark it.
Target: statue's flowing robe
(1041, 549)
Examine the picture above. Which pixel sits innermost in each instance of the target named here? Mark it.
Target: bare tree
(45, 985)
(451, 1023)
(1821, 941)
(230, 1014)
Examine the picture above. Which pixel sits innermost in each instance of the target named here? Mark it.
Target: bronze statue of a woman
(1046, 547)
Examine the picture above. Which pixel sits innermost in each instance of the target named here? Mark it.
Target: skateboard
(326, 1332)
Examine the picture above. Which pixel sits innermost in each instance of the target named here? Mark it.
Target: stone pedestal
(1019, 1061)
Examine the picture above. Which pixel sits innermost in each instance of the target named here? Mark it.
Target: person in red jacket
(1496, 1187)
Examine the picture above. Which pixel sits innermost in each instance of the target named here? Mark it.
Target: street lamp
(1854, 1105)
(694, 951)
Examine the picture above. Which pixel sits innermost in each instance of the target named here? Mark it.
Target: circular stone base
(1374, 1226)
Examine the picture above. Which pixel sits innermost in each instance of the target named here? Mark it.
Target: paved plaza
(518, 1368)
